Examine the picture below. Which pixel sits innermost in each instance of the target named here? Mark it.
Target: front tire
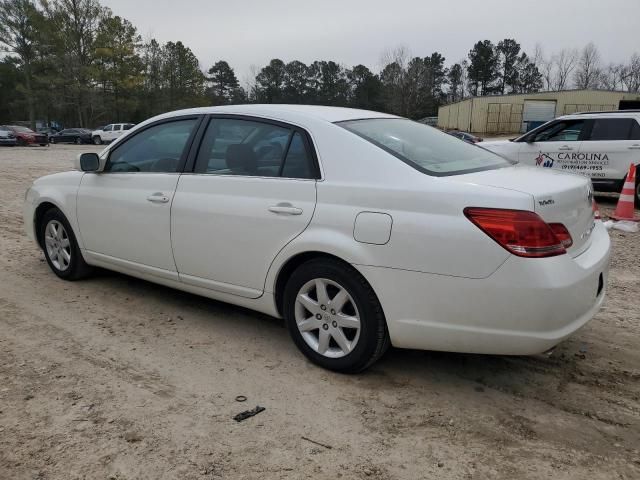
(637, 190)
(334, 316)
(61, 247)
(97, 140)
(78, 141)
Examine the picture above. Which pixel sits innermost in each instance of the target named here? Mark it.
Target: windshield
(425, 148)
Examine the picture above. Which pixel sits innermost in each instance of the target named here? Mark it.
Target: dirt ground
(118, 378)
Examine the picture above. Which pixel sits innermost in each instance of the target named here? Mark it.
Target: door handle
(158, 198)
(634, 147)
(285, 209)
(565, 148)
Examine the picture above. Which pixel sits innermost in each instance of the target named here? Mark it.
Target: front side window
(611, 129)
(423, 147)
(251, 148)
(156, 149)
(562, 131)
(108, 128)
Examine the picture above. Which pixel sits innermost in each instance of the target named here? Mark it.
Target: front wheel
(61, 247)
(78, 141)
(97, 140)
(334, 316)
(637, 191)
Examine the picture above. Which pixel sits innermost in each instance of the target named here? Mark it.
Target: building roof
(546, 92)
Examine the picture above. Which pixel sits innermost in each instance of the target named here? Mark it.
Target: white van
(599, 145)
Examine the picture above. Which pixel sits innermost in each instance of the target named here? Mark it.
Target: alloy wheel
(327, 318)
(58, 245)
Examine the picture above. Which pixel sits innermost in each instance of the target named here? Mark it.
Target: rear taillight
(562, 234)
(522, 233)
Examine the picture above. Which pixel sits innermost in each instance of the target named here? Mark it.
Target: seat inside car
(241, 159)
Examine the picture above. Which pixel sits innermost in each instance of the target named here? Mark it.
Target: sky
(252, 32)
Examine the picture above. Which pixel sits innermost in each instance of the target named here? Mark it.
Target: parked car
(110, 132)
(361, 229)
(48, 131)
(25, 136)
(7, 137)
(598, 145)
(467, 137)
(72, 135)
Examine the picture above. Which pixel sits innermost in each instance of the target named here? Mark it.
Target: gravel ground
(117, 378)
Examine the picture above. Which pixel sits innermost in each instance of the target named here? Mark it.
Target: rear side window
(423, 147)
(251, 148)
(612, 129)
(117, 127)
(127, 126)
(156, 149)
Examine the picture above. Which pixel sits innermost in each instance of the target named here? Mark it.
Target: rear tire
(97, 140)
(21, 142)
(78, 141)
(52, 140)
(333, 299)
(637, 190)
(61, 247)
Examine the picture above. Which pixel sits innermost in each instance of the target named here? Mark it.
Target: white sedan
(361, 229)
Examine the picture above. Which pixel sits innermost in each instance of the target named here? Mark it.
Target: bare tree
(544, 65)
(564, 62)
(631, 74)
(588, 73)
(611, 77)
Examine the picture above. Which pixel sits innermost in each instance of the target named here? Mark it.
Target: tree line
(76, 63)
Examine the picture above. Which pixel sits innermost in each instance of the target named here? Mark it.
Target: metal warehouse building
(497, 114)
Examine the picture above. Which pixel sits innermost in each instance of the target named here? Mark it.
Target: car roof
(604, 114)
(286, 111)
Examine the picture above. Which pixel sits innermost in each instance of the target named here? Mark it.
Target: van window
(611, 129)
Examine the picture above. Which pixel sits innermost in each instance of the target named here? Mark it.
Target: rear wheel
(637, 191)
(21, 142)
(52, 140)
(97, 140)
(78, 141)
(60, 246)
(334, 316)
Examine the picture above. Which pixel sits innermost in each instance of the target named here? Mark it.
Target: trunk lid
(558, 197)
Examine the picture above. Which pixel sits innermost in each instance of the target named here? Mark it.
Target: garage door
(537, 112)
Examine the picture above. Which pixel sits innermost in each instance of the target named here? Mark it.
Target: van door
(554, 146)
(611, 146)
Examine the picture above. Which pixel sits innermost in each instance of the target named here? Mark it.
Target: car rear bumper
(526, 307)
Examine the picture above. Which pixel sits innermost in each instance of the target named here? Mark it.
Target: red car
(25, 136)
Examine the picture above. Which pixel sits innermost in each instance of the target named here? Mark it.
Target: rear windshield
(425, 148)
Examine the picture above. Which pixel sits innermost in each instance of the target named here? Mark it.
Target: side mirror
(89, 162)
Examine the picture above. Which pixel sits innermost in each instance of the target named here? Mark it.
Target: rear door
(611, 146)
(554, 146)
(253, 190)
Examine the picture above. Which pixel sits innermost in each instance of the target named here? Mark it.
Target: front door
(252, 191)
(554, 146)
(124, 212)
